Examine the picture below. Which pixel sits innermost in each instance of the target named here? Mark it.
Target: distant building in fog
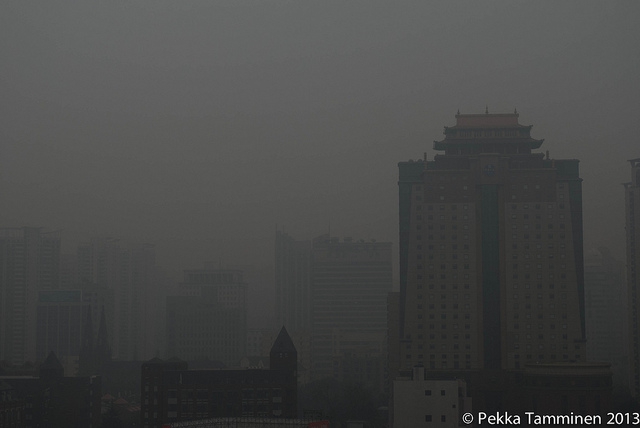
(491, 263)
(61, 322)
(29, 262)
(60, 316)
(208, 321)
(293, 283)
(334, 292)
(350, 282)
(632, 197)
(606, 309)
(129, 270)
(255, 341)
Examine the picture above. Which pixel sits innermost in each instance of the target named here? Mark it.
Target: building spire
(85, 358)
(102, 344)
(87, 332)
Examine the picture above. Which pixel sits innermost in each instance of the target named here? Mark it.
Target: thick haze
(199, 126)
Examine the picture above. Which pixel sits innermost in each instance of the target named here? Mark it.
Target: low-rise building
(172, 393)
(417, 400)
(51, 399)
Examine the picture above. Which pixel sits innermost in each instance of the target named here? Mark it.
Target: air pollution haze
(202, 126)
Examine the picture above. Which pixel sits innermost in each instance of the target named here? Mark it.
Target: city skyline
(151, 136)
(195, 180)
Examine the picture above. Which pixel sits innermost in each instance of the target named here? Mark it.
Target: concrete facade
(433, 403)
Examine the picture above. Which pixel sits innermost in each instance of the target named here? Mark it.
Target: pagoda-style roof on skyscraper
(475, 130)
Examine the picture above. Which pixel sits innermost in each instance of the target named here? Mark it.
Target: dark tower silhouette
(284, 357)
(51, 369)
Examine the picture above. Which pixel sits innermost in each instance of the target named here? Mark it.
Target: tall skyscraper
(129, 270)
(606, 307)
(350, 282)
(491, 263)
(59, 323)
(208, 321)
(29, 262)
(334, 292)
(632, 196)
(293, 283)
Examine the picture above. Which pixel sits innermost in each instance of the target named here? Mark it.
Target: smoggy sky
(201, 125)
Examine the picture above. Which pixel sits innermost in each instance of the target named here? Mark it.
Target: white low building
(418, 402)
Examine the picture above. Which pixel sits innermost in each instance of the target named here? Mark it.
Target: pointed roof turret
(51, 368)
(283, 342)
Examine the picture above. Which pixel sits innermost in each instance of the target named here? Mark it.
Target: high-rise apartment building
(129, 270)
(632, 197)
(606, 308)
(293, 283)
(491, 263)
(334, 291)
(59, 321)
(208, 321)
(29, 262)
(350, 281)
